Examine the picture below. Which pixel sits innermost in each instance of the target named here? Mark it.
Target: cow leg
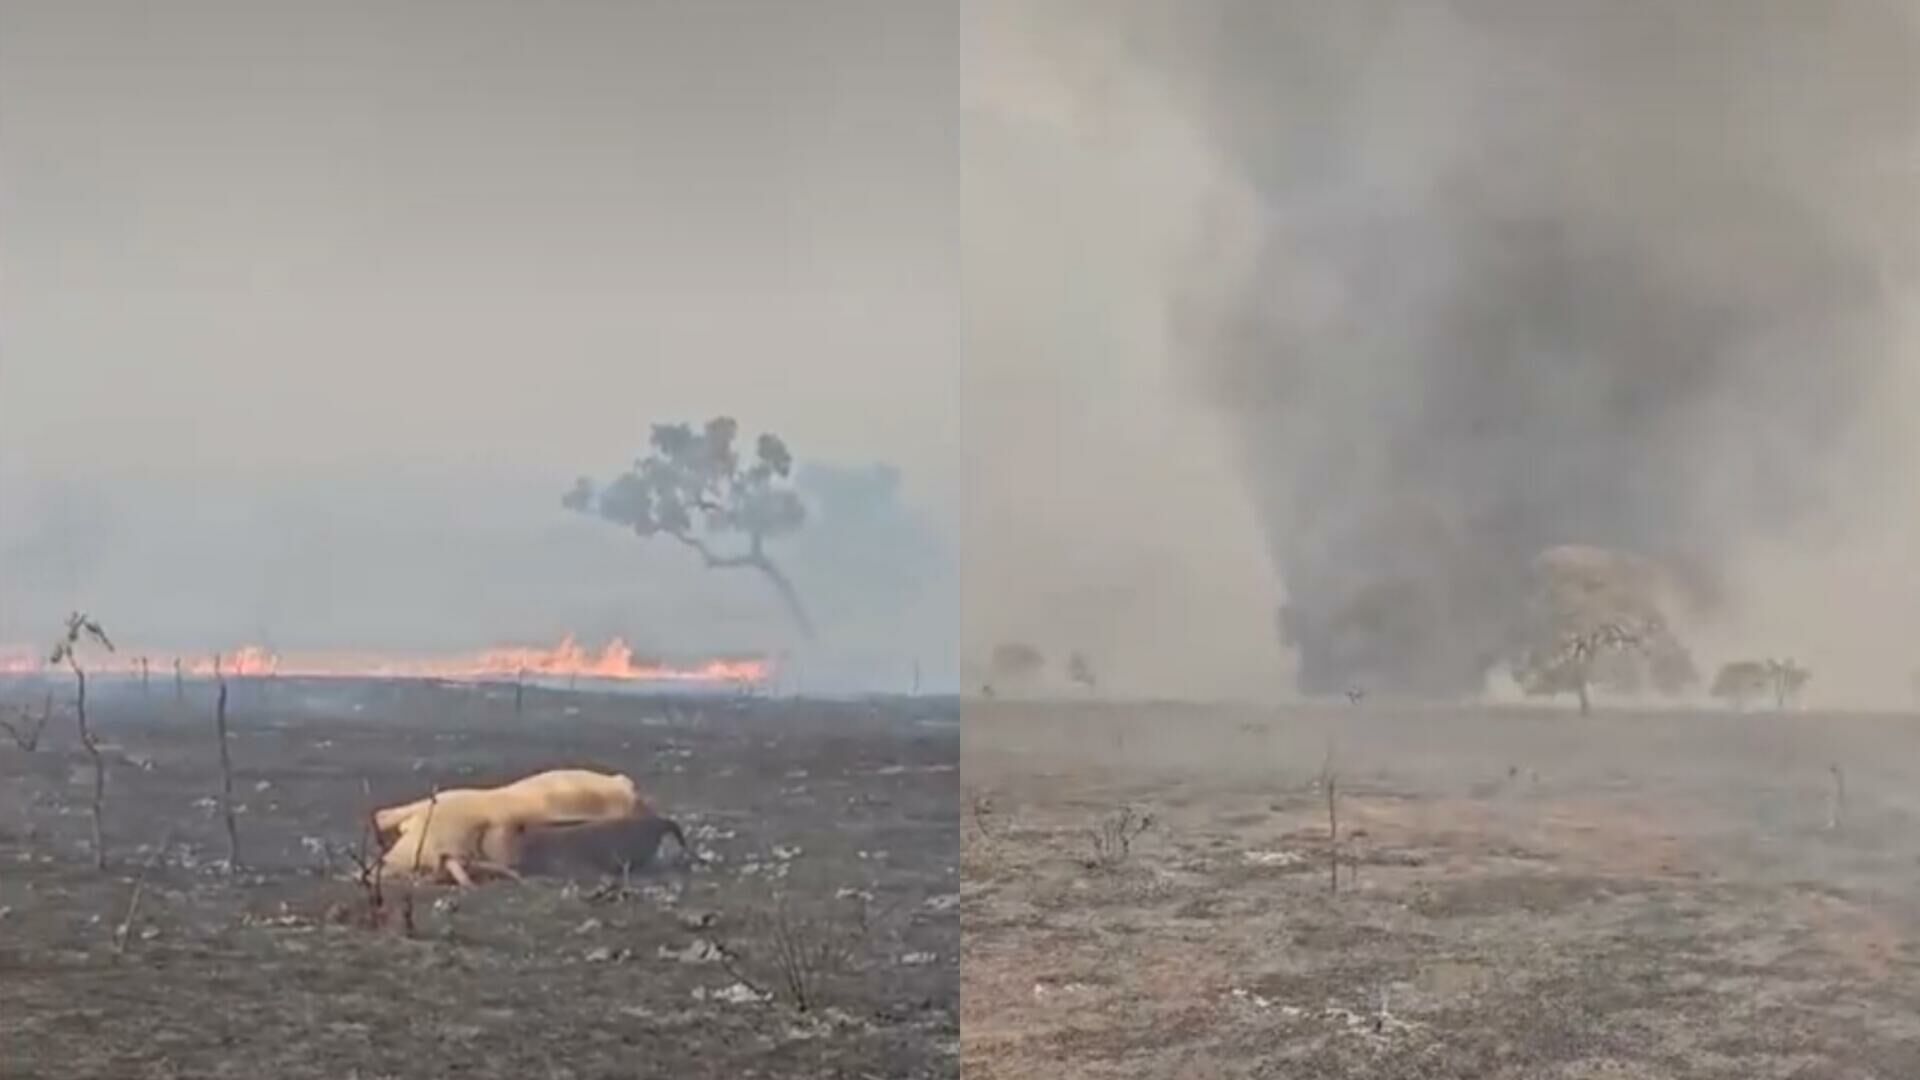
(457, 870)
(498, 869)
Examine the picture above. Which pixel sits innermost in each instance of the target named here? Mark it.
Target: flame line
(615, 663)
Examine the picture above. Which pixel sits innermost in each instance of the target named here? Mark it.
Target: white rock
(699, 951)
(737, 994)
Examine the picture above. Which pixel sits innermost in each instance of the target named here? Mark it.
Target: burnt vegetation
(66, 651)
(809, 969)
(1110, 841)
(26, 726)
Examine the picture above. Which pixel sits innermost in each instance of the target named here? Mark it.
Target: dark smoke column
(1537, 273)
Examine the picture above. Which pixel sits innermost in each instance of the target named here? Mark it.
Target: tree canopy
(695, 487)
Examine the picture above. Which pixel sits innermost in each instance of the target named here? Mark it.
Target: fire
(567, 660)
(616, 662)
(20, 662)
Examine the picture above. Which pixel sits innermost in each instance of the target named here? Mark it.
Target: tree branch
(713, 561)
(754, 559)
(787, 592)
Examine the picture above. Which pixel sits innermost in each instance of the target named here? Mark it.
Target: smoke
(381, 279)
(882, 579)
(1514, 274)
(63, 536)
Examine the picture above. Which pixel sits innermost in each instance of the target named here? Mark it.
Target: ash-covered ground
(1523, 894)
(830, 828)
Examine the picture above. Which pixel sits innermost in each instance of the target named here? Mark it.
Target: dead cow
(561, 794)
(612, 848)
(455, 834)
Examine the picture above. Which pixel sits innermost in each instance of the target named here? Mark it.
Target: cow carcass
(536, 824)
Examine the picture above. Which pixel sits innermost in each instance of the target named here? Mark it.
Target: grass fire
(568, 661)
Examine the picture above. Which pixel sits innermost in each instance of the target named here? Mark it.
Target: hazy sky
(247, 247)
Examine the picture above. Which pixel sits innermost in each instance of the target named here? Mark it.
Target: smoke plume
(1527, 273)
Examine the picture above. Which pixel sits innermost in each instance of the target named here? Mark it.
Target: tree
(1594, 619)
(226, 769)
(1608, 654)
(1016, 662)
(27, 735)
(1788, 679)
(67, 651)
(1080, 670)
(695, 488)
(1743, 680)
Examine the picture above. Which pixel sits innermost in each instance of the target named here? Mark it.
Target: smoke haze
(1458, 283)
(309, 312)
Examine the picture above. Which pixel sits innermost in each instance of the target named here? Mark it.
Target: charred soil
(1522, 895)
(828, 836)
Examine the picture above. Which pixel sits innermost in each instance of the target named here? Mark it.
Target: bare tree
(1330, 778)
(123, 933)
(67, 651)
(694, 488)
(26, 734)
(1110, 842)
(369, 873)
(226, 769)
(800, 956)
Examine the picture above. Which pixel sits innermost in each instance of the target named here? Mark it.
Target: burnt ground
(831, 830)
(1523, 895)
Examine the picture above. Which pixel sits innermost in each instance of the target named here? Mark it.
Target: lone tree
(1595, 619)
(1080, 670)
(695, 488)
(1015, 662)
(67, 651)
(1743, 680)
(1609, 654)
